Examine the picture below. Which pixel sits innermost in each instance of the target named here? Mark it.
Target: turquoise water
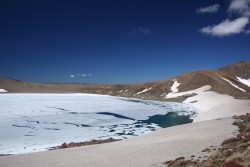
(170, 119)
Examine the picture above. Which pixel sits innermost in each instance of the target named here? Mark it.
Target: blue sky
(126, 41)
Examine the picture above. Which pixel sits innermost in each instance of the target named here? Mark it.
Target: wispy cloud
(139, 30)
(80, 75)
(240, 7)
(226, 27)
(144, 31)
(209, 9)
(85, 75)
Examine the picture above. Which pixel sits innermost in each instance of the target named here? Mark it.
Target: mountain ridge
(225, 80)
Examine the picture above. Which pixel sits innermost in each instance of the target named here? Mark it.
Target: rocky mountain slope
(231, 80)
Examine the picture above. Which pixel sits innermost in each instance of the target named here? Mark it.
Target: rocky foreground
(234, 152)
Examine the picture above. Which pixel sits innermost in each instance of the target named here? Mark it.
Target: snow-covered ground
(212, 105)
(34, 122)
(196, 91)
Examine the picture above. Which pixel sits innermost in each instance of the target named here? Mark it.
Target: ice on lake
(35, 122)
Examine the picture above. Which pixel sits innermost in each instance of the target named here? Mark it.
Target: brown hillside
(150, 90)
(240, 69)
(197, 79)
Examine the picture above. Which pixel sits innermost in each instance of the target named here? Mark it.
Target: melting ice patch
(34, 122)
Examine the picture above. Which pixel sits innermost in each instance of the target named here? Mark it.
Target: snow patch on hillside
(175, 86)
(123, 90)
(196, 91)
(212, 105)
(3, 91)
(143, 91)
(244, 81)
(163, 94)
(233, 84)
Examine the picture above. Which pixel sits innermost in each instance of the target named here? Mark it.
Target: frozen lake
(35, 122)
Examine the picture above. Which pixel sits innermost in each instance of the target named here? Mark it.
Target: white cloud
(240, 7)
(226, 27)
(85, 75)
(72, 76)
(209, 9)
(139, 30)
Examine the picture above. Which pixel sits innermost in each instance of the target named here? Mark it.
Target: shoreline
(84, 143)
